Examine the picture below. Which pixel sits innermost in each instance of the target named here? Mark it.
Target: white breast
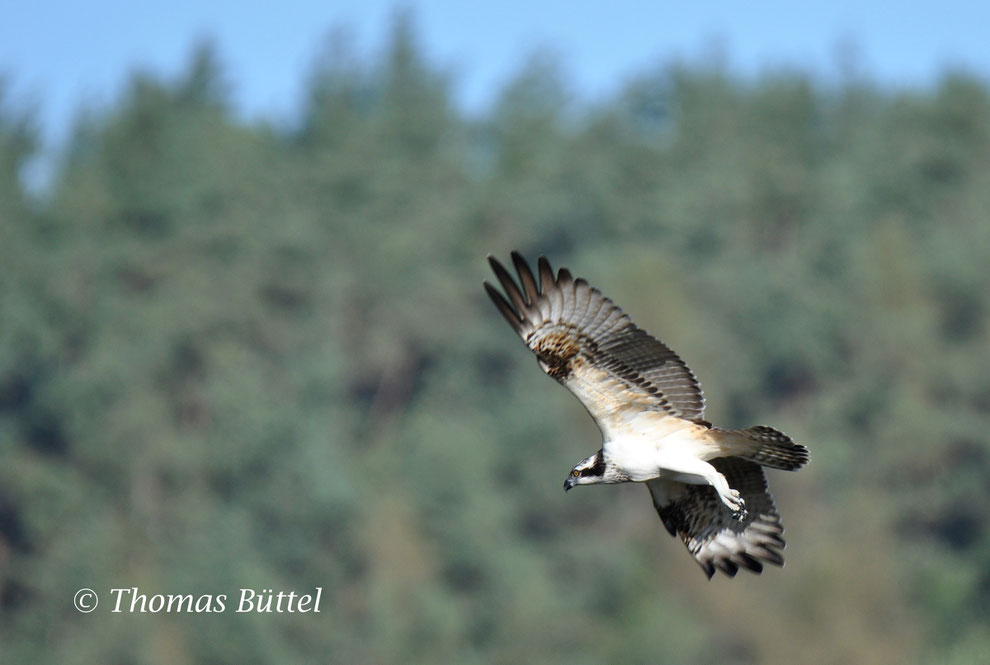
(646, 443)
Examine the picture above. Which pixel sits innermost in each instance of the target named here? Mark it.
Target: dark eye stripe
(596, 469)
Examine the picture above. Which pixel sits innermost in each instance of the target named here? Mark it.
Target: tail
(771, 448)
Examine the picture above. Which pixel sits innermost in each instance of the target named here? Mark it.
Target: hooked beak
(569, 483)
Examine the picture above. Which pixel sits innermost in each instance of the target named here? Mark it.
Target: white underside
(651, 445)
(646, 444)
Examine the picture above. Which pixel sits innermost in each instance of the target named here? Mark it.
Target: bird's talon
(737, 505)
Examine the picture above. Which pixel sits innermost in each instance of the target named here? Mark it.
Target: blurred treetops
(239, 354)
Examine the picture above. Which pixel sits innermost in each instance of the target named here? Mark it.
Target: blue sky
(59, 55)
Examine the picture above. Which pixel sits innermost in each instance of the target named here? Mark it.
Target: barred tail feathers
(769, 447)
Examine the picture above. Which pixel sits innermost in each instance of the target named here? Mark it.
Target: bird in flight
(707, 483)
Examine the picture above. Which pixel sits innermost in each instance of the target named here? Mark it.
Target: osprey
(707, 483)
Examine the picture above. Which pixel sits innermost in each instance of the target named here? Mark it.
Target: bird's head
(588, 471)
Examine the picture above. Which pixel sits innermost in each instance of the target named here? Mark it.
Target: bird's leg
(730, 497)
(694, 471)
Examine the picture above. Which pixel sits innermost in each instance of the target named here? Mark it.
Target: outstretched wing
(712, 535)
(587, 343)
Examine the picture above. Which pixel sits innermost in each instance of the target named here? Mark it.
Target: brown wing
(586, 342)
(712, 535)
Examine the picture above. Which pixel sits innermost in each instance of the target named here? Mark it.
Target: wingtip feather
(503, 306)
(525, 276)
(546, 273)
(510, 287)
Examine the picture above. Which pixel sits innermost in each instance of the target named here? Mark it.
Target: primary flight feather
(707, 483)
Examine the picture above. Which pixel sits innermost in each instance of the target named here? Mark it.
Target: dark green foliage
(233, 355)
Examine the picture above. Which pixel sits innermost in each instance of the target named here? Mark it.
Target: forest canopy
(257, 354)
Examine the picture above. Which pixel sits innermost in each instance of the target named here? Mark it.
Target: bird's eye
(575, 473)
